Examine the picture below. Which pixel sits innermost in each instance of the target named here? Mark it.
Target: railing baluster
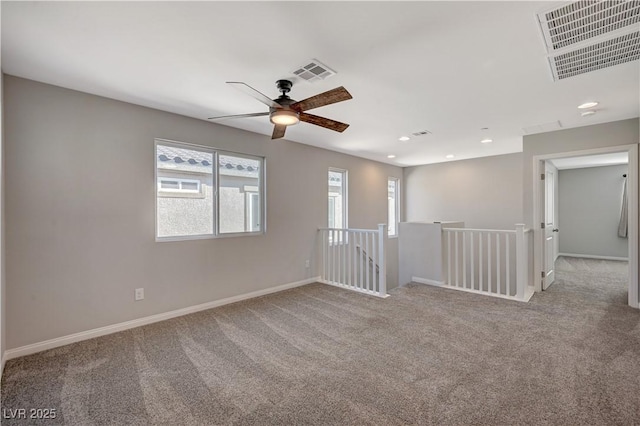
(457, 259)
(464, 259)
(480, 263)
(498, 270)
(473, 261)
(366, 260)
(507, 266)
(489, 286)
(449, 248)
(360, 270)
(374, 256)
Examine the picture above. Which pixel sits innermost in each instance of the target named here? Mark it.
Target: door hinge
(541, 225)
(541, 176)
(542, 274)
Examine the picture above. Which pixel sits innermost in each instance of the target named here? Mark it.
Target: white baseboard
(427, 281)
(358, 290)
(528, 293)
(102, 331)
(593, 256)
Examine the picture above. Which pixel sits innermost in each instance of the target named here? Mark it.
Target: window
(394, 206)
(175, 187)
(239, 194)
(337, 199)
(204, 193)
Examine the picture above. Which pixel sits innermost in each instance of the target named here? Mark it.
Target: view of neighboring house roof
(187, 160)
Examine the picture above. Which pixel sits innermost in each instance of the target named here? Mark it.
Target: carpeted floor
(326, 356)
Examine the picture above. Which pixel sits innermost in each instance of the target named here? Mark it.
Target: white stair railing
(488, 261)
(355, 259)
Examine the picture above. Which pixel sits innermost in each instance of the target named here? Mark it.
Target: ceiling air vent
(596, 56)
(421, 133)
(314, 71)
(586, 19)
(589, 35)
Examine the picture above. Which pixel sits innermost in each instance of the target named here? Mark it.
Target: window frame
(262, 190)
(396, 207)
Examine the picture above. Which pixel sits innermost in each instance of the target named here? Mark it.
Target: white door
(550, 229)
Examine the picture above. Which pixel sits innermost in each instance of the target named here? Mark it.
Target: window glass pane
(393, 206)
(190, 186)
(169, 184)
(177, 214)
(337, 214)
(239, 194)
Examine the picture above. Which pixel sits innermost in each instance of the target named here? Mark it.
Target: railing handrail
(509, 231)
(348, 229)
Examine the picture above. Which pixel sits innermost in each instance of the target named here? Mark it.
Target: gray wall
(616, 133)
(483, 192)
(590, 200)
(3, 310)
(80, 195)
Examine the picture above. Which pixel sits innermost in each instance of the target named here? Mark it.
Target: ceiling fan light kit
(286, 117)
(284, 111)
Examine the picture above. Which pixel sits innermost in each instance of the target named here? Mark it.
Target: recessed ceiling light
(391, 156)
(404, 138)
(587, 105)
(450, 156)
(486, 141)
(587, 113)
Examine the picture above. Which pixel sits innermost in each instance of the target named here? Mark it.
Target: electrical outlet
(139, 293)
(307, 264)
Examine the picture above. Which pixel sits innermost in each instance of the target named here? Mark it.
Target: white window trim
(397, 206)
(215, 235)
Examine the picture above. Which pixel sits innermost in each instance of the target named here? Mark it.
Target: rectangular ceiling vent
(589, 35)
(583, 20)
(596, 56)
(314, 71)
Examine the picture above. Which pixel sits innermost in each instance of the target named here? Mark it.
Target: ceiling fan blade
(278, 131)
(338, 94)
(254, 114)
(323, 122)
(244, 87)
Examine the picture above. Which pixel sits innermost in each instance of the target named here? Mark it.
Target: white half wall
(80, 212)
(483, 192)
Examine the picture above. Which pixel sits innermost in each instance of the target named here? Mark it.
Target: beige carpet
(321, 355)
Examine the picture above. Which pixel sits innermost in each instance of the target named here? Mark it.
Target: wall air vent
(313, 71)
(605, 54)
(589, 35)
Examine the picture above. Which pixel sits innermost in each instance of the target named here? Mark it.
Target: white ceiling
(597, 160)
(448, 67)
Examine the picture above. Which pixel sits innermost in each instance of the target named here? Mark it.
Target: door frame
(632, 193)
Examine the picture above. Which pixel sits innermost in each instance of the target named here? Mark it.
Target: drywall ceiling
(451, 68)
(612, 159)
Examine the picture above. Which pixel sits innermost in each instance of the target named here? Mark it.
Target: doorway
(549, 232)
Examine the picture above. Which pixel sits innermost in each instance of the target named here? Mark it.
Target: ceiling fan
(284, 111)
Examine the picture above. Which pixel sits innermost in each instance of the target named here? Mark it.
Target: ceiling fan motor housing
(284, 86)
